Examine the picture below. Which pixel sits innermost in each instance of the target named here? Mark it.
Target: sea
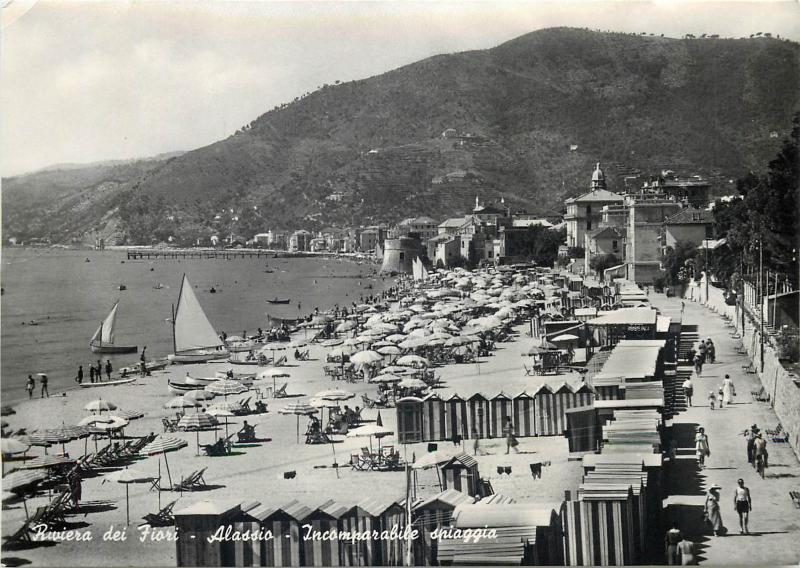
(54, 299)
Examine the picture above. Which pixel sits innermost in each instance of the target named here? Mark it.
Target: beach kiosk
(461, 474)
(195, 524)
(624, 323)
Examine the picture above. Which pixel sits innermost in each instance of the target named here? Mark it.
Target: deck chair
(529, 371)
(22, 534)
(163, 518)
(191, 482)
(245, 404)
(760, 394)
(281, 361)
(169, 425)
(214, 449)
(245, 437)
(281, 392)
(795, 496)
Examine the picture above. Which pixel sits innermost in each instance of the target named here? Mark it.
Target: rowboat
(193, 337)
(108, 383)
(152, 365)
(103, 339)
(279, 301)
(182, 388)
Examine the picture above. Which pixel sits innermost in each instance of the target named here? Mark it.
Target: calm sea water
(69, 297)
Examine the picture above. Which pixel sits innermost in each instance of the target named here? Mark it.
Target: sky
(90, 81)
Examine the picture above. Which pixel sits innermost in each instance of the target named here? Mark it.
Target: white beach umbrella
(128, 476)
(366, 358)
(332, 342)
(180, 402)
(100, 405)
(389, 350)
(413, 361)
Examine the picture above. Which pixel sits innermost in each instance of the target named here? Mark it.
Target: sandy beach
(256, 473)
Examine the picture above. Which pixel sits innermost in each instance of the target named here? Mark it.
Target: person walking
(30, 386)
(711, 351)
(690, 354)
(508, 431)
(43, 379)
(712, 513)
(712, 399)
(701, 350)
(702, 449)
(91, 373)
(687, 553)
(79, 376)
(750, 437)
(760, 454)
(742, 504)
(688, 390)
(671, 540)
(728, 391)
(108, 369)
(698, 364)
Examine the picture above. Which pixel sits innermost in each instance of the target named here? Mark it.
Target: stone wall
(784, 393)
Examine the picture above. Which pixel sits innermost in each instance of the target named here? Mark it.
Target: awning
(712, 244)
(626, 316)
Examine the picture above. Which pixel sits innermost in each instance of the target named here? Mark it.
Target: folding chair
(162, 518)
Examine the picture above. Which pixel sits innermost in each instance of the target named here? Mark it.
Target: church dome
(598, 174)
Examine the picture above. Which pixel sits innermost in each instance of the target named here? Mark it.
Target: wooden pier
(180, 254)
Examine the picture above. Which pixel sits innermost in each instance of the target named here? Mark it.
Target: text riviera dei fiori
(228, 534)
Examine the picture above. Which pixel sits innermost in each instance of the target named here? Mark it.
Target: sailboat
(103, 339)
(193, 337)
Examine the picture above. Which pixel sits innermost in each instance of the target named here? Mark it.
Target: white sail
(192, 329)
(105, 333)
(416, 265)
(423, 272)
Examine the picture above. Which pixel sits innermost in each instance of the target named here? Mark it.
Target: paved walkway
(775, 522)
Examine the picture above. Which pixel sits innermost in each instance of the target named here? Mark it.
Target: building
(603, 241)
(299, 240)
(370, 238)
(425, 227)
(690, 224)
(444, 250)
(399, 254)
(585, 212)
(693, 191)
(451, 226)
(643, 244)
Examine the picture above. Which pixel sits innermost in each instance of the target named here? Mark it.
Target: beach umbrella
(225, 387)
(412, 383)
(413, 343)
(536, 350)
(564, 338)
(34, 440)
(413, 361)
(7, 411)
(127, 414)
(13, 446)
(128, 476)
(225, 409)
(355, 342)
(273, 373)
(420, 332)
(47, 461)
(346, 325)
(431, 459)
(370, 430)
(389, 350)
(21, 479)
(298, 409)
(100, 405)
(396, 337)
(200, 395)
(394, 370)
(198, 421)
(341, 352)
(334, 394)
(388, 378)
(366, 358)
(332, 342)
(164, 446)
(65, 434)
(460, 340)
(181, 402)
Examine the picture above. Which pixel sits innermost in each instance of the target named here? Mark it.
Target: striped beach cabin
(461, 473)
(285, 522)
(429, 515)
(320, 552)
(195, 524)
(374, 514)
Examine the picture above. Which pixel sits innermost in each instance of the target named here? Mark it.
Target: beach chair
(795, 497)
(22, 534)
(192, 482)
(778, 435)
(169, 425)
(281, 392)
(215, 449)
(760, 394)
(163, 518)
(281, 361)
(317, 437)
(249, 436)
(529, 371)
(245, 407)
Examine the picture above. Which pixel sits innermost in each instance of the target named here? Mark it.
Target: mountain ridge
(372, 149)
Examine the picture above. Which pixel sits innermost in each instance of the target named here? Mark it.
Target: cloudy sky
(82, 82)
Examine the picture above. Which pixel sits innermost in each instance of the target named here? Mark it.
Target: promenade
(774, 520)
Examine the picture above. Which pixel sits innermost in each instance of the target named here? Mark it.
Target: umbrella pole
(169, 475)
(439, 475)
(335, 465)
(298, 428)
(198, 441)
(25, 504)
(159, 484)
(127, 506)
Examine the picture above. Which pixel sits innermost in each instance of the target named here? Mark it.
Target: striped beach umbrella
(20, 479)
(127, 414)
(65, 434)
(225, 409)
(164, 446)
(34, 440)
(225, 387)
(298, 409)
(100, 405)
(47, 461)
(198, 421)
(180, 402)
(199, 395)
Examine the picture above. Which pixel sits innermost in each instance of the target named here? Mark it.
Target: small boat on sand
(279, 301)
(182, 388)
(152, 365)
(108, 383)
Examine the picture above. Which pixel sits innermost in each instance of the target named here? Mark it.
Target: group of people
(722, 396)
(95, 372)
(757, 454)
(742, 504)
(705, 353)
(30, 385)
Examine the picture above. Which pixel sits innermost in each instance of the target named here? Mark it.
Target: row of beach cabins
(616, 421)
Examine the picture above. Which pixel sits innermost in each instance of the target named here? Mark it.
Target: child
(712, 399)
(721, 398)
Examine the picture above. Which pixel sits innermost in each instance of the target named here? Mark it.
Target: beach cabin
(458, 417)
(429, 515)
(608, 386)
(544, 411)
(528, 534)
(583, 431)
(638, 483)
(524, 417)
(478, 408)
(461, 473)
(410, 414)
(248, 552)
(285, 522)
(195, 524)
(434, 418)
(500, 406)
(326, 517)
(374, 514)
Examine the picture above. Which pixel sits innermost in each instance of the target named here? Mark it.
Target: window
(588, 217)
(615, 245)
(402, 255)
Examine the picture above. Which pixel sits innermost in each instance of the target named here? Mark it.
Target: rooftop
(600, 195)
(690, 215)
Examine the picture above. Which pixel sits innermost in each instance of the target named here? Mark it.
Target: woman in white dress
(728, 390)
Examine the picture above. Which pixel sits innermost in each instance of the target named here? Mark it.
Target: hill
(525, 120)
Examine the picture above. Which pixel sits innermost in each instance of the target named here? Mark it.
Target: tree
(678, 259)
(603, 261)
